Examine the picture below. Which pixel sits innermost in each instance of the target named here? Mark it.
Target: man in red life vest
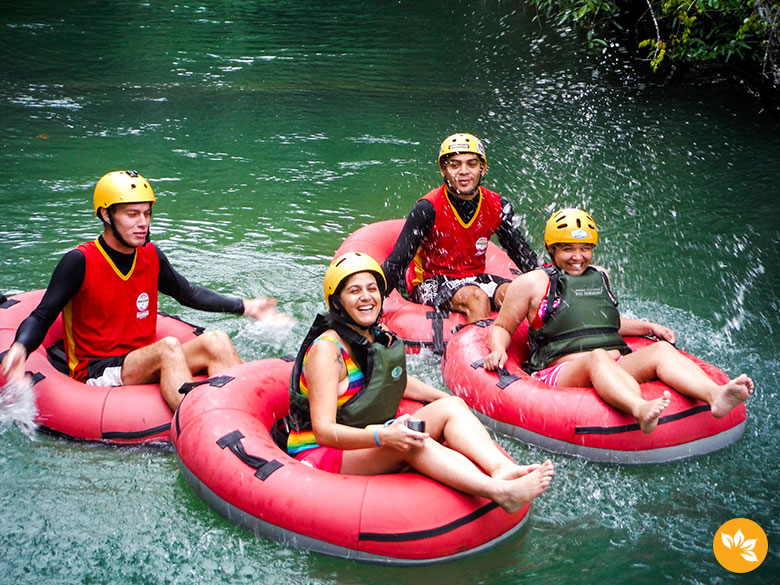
(447, 233)
(107, 289)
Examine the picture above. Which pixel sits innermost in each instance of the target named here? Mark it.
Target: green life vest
(383, 364)
(586, 318)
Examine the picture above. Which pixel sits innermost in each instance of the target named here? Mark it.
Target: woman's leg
(614, 385)
(451, 420)
(663, 362)
(453, 470)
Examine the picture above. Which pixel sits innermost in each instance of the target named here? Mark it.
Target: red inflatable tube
(420, 326)
(576, 421)
(226, 453)
(123, 414)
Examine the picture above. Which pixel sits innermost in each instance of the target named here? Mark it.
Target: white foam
(273, 328)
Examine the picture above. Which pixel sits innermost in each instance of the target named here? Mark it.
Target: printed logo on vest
(579, 234)
(396, 373)
(142, 302)
(740, 545)
(482, 244)
(587, 292)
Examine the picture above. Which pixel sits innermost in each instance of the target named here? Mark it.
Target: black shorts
(105, 371)
(439, 290)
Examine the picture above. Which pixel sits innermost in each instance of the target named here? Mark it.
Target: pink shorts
(324, 458)
(550, 375)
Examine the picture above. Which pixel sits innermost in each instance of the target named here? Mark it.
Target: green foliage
(711, 30)
(595, 16)
(670, 31)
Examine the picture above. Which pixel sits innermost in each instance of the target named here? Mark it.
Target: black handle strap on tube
(437, 328)
(504, 377)
(6, 303)
(263, 467)
(216, 381)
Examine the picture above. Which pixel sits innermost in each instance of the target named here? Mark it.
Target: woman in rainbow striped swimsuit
(347, 384)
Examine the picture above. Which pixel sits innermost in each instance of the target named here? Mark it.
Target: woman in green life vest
(347, 384)
(575, 332)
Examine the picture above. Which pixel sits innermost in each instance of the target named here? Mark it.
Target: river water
(269, 132)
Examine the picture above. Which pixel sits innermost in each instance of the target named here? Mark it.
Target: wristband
(376, 437)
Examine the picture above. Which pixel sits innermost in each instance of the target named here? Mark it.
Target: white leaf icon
(750, 556)
(738, 539)
(749, 544)
(728, 542)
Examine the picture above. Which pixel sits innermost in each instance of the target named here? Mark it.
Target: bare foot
(731, 394)
(651, 410)
(513, 471)
(516, 493)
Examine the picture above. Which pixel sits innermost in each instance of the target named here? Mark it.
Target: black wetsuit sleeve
(418, 223)
(66, 280)
(173, 284)
(513, 242)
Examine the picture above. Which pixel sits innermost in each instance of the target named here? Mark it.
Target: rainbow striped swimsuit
(298, 441)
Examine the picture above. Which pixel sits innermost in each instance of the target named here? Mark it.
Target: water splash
(17, 406)
(273, 330)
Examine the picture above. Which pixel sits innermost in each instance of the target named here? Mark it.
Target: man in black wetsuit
(107, 291)
(447, 233)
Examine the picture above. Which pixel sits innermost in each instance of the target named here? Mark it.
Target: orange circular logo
(740, 545)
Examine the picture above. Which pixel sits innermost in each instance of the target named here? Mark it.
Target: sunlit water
(269, 132)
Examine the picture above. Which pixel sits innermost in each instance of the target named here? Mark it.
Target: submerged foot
(651, 410)
(731, 394)
(516, 493)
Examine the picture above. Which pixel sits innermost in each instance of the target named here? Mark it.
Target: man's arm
(513, 242)
(418, 223)
(66, 280)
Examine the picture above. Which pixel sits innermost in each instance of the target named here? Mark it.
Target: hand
(14, 362)
(400, 437)
(662, 332)
(495, 359)
(259, 308)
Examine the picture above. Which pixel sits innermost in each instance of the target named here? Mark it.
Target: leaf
(727, 540)
(739, 538)
(750, 556)
(749, 544)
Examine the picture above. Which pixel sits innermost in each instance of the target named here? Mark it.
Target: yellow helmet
(570, 226)
(122, 187)
(345, 266)
(460, 143)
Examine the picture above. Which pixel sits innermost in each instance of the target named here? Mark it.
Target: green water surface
(270, 131)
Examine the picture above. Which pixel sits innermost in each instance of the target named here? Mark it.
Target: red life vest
(453, 248)
(112, 314)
